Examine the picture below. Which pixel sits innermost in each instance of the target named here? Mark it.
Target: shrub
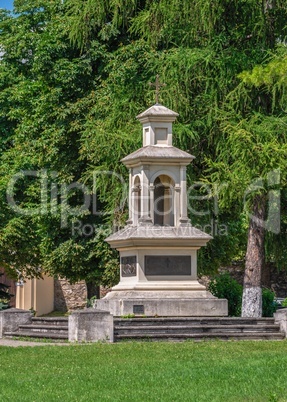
(4, 295)
(225, 287)
(91, 301)
(269, 306)
(3, 306)
(284, 303)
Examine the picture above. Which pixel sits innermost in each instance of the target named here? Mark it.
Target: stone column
(183, 197)
(151, 202)
(176, 205)
(130, 220)
(145, 218)
(136, 201)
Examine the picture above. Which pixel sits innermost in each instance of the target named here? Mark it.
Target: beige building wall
(36, 294)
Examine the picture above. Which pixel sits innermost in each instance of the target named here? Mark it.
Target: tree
(252, 159)
(239, 121)
(72, 78)
(5, 296)
(46, 88)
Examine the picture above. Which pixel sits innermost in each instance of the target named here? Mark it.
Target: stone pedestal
(159, 274)
(163, 304)
(91, 325)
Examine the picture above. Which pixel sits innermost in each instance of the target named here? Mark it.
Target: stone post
(151, 202)
(130, 220)
(281, 319)
(91, 325)
(134, 205)
(145, 218)
(176, 205)
(12, 318)
(183, 196)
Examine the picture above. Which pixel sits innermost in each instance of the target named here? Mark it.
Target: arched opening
(164, 201)
(137, 199)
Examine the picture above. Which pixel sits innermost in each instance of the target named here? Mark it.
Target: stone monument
(158, 246)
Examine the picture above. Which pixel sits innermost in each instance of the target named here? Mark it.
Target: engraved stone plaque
(164, 265)
(138, 309)
(129, 266)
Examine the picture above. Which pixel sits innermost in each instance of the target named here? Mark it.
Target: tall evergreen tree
(73, 76)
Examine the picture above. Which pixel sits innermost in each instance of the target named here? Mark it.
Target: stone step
(197, 328)
(174, 329)
(191, 321)
(31, 334)
(44, 328)
(62, 321)
(200, 337)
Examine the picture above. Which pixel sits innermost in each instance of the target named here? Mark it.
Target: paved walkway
(15, 343)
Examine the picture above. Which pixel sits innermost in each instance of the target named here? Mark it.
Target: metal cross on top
(157, 84)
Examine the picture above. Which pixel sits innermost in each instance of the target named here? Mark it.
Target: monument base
(163, 303)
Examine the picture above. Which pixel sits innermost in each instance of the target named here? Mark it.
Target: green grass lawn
(148, 371)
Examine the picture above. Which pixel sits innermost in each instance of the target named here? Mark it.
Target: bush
(3, 306)
(269, 306)
(225, 287)
(284, 303)
(5, 296)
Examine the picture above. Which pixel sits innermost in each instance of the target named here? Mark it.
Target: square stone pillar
(12, 318)
(91, 325)
(281, 318)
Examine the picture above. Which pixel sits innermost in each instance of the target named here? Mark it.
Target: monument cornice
(155, 154)
(146, 236)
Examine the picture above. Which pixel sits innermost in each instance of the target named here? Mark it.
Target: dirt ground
(15, 343)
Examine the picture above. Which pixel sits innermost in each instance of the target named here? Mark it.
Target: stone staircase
(162, 329)
(193, 328)
(54, 328)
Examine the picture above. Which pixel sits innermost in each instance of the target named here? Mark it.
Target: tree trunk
(92, 290)
(255, 258)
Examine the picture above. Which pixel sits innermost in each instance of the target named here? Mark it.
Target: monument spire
(158, 85)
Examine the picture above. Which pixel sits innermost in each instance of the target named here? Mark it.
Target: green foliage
(90, 302)
(128, 316)
(276, 250)
(42, 112)
(268, 303)
(72, 78)
(5, 296)
(228, 243)
(3, 306)
(284, 303)
(225, 287)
